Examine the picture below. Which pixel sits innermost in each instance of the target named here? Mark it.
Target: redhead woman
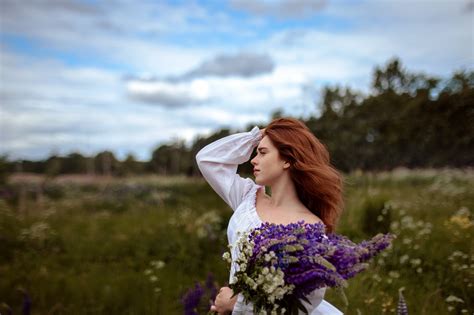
(295, 166)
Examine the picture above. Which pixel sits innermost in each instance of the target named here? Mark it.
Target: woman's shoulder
(311, 218)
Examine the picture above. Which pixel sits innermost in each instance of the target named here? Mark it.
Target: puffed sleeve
(218, 162)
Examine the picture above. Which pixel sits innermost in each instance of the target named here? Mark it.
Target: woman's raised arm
(218, 162)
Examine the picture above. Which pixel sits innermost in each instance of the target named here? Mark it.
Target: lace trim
(254, 190)
(253, 201)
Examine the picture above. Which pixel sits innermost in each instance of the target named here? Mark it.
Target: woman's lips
(255, 172)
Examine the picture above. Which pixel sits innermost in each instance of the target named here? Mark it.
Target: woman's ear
(286, 165)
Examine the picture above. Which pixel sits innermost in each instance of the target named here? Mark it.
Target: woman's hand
(224, 304)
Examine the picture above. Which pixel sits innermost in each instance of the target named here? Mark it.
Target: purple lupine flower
(306, 257)
(211, 287)
(200, 298)
(402, 308)
(191, 299)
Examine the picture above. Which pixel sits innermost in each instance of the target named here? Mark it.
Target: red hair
(318, 184)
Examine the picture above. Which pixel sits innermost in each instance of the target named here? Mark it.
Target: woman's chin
(258, 181)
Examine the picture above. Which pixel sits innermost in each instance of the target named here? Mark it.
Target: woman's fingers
(214, 309)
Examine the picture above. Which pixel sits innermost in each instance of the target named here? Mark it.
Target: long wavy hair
(318, 184)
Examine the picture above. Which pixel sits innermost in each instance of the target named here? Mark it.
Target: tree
(74, 163)
(106, 163)
(392, 79)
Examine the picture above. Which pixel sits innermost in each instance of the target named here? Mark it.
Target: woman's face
(268, 165)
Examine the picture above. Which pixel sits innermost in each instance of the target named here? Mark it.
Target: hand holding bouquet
(279, 265)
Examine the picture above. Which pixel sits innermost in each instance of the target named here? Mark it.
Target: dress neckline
(254, 203)
(257, 216)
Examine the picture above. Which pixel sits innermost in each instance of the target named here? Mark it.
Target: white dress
(218, 162)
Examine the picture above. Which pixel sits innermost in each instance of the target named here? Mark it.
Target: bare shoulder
(311, 218)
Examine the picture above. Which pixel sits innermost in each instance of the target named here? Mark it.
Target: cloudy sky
(127, 76)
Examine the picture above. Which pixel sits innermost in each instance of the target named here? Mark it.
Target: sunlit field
(84, 245)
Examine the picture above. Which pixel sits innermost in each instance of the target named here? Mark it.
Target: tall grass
(136, 246)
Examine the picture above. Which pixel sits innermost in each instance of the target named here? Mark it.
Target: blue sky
(127, 76)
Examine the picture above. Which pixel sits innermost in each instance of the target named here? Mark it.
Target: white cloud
(281, 8)
(48, 106)
(186, 89)
(167, 94)
(127, 34)
(74, 95)
(435, 38)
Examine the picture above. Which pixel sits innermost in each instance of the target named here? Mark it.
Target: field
(88, 245)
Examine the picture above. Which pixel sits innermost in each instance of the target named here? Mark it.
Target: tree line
(409, 119)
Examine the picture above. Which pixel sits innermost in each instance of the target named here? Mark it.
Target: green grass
(85, 247)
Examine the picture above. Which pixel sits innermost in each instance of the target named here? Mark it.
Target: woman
(304, 186)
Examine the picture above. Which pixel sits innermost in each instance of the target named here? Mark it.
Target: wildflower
(158, 264)
(453, 298)
(404, 259)
(461, 221)
(290, 261)
(402, 308)
(463, 211)
(394, 225)
(191, 299)
(226, 257)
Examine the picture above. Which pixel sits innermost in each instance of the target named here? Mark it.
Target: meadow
(98, 245)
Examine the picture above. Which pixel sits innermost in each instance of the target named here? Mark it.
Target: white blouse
(218, 162)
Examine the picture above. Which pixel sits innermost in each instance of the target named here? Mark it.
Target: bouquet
(280, 264)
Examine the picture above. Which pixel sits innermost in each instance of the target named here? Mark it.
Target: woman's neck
(284, 194)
